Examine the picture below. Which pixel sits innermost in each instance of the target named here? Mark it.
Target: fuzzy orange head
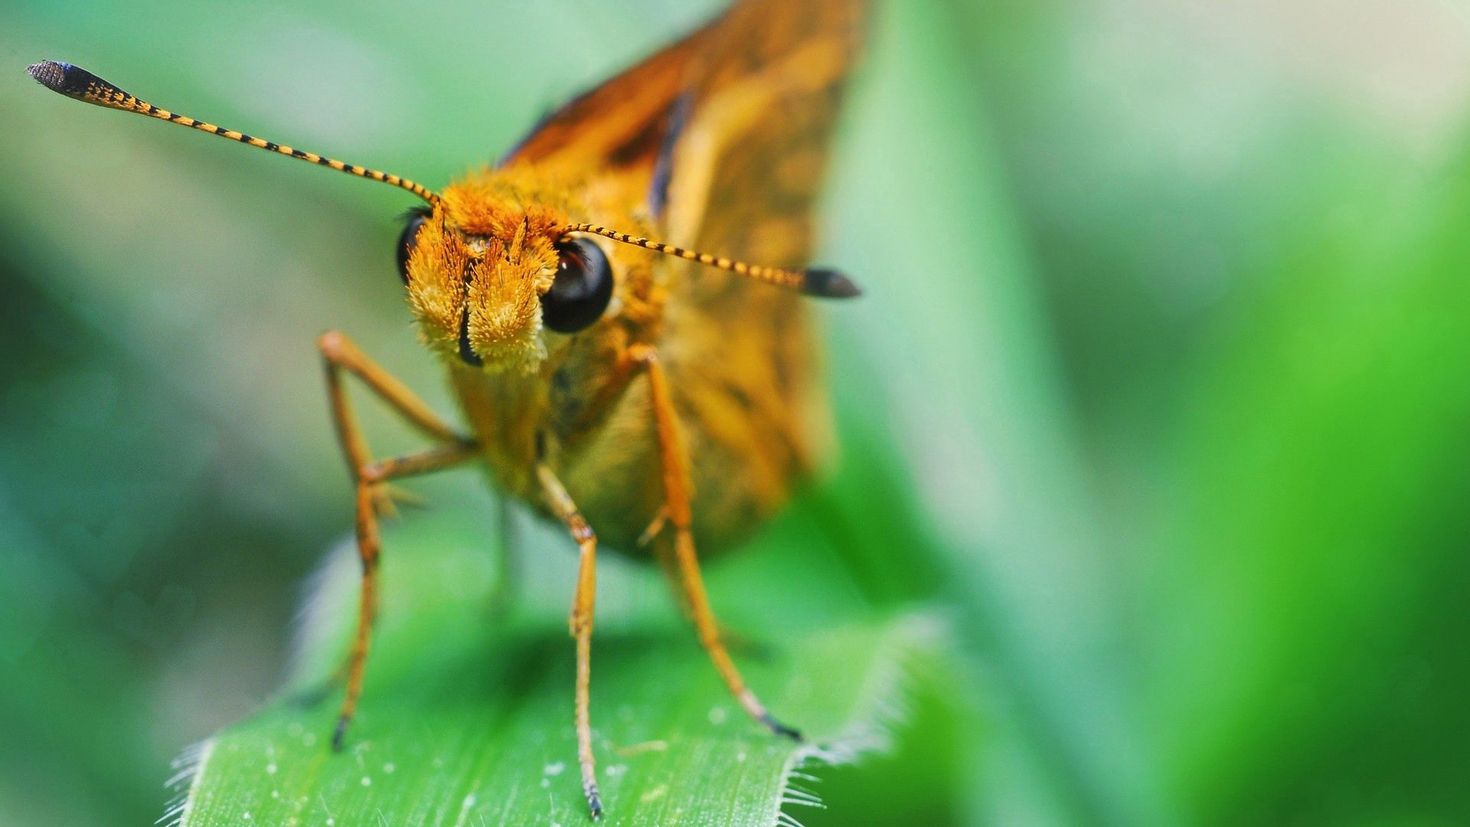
(491, 271)
(477, 265)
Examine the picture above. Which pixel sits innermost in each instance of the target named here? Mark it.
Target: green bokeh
(1158, 390)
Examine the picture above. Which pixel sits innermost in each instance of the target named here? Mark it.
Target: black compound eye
(582, 288)
(406, 242)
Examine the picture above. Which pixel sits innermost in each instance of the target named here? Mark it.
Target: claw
(594, 804)
(654, 527)
(387, 497)
(339, 732)
(781, 729)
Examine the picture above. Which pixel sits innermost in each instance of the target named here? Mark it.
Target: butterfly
(657, 400)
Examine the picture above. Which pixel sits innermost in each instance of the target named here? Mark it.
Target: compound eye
(582, 288)
(406, 241)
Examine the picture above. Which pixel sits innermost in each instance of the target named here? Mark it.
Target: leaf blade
(466, 718)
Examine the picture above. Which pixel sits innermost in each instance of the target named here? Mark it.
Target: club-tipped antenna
(76, 82)
(814, 281)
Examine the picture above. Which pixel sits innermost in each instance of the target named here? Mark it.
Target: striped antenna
(76, 82)
(827, 284)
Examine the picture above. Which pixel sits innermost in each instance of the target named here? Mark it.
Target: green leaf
(466, 716)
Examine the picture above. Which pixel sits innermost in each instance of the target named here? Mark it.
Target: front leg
(675, 464)
(580, 624)
(368, 475)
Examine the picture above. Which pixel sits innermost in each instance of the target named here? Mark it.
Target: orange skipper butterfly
(606, 377)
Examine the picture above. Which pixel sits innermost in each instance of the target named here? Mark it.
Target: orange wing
(726, 135)
(619, 123)
(756, 86)
(744, 175)
(751, 158)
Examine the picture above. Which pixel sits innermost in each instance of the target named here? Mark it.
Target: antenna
(820, 282)
(76, 82)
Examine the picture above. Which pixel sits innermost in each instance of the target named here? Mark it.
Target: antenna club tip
(61, 77)
(829, 284)
(48, 73)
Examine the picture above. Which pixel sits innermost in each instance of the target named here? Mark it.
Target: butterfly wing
(619, 123)
(749, 162)
(744, 175)
(723, 137)
(756, 85)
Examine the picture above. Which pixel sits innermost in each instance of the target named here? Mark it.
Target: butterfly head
(491, 274)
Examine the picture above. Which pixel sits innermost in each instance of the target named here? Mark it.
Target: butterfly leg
(370, 477)
(677, 495)
(663, 554)
(580, 623)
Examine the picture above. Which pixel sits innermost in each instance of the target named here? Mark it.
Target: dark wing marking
(620, 122)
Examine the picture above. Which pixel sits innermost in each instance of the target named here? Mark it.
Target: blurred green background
(1160, 389)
